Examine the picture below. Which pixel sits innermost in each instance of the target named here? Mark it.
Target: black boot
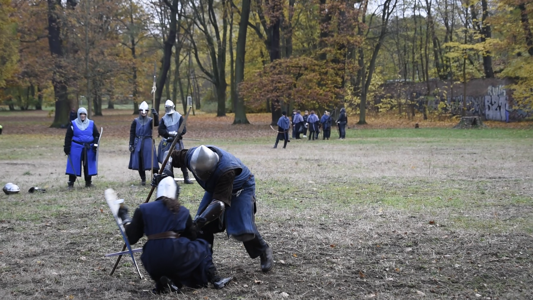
(88, 184)
(70, 185)
(165, 285)
(266, 260)
(215, 279)
(186, 178)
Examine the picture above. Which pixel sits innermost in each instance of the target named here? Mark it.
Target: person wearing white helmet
(168, 130)
(229, 199)
(142, 154)
(174, 255)
(81, 143)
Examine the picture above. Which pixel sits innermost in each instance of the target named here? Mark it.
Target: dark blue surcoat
(81, 149)
(143, 146)
(239, 217)
(181, 259)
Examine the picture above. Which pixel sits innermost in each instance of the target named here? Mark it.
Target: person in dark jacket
(305, 125)
(168, 130)
(292, 122)
(314, 123)
(326, 125)
(341, 122)
(81, 144)
(229, 199)
(142, 152)
(173, 256)
(297, 123)
(283, 130)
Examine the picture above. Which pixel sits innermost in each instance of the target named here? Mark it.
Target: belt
(164, 235)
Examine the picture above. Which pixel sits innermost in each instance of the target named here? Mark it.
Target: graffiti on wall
(496, 104)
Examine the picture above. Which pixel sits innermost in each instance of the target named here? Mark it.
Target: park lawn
(386, 213)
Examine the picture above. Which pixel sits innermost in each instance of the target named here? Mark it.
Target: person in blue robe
(326, 125)
(229, 202)
(174, 255)
(81, 144)
(168, 130)
(283, 130)
(314, 124)
(142, 153)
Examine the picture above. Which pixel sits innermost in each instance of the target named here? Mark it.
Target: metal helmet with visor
(170, 108)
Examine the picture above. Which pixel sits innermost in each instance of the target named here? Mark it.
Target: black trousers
(282, 136)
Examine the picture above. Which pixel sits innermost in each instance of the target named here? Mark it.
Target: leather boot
(186, 178)
(164, 286)
(214, 278)
(70, 185)
(266, 260)
(88, 184)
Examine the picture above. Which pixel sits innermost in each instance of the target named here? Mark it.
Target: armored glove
(172, 133)
(66, 150)
(214, 210)
(157, 178)
(131, 149)
(95, 147)
(154, 112)
(123, 215)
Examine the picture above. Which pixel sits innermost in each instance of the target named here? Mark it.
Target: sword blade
(124, 252)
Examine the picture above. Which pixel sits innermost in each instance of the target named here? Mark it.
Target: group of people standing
(179, 249)
(143, 155)
(309, 121)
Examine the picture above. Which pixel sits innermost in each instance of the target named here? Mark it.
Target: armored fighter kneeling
(173, 256)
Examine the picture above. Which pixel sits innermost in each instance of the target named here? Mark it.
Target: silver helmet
(169, 107)
(167, 187)
(143, 107)
(203, 162)
(11, 188)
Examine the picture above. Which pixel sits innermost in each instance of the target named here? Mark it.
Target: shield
(114, 204)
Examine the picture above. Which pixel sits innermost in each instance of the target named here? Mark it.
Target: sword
(98, 148)
(124, 252)
(113, 202)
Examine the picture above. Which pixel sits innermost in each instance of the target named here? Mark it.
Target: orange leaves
(304, 80)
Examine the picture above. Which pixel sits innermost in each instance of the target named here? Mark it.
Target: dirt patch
(352, 219)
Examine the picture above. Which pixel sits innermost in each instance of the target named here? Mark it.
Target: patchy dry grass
(385, 214)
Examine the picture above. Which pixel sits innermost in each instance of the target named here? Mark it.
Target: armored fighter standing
(168, 130)
(81, 144)
(143, 156)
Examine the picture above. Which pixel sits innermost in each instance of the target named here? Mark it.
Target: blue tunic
(143, 146)
(180, 259)
(313, 122)
(81, 149)
(239, 217)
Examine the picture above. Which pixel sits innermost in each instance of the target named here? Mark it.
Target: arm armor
(214, 210)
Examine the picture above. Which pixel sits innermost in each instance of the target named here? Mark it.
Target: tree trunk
(62, 105)
(486, 33)
(167, 53)
(39, 103)
(135, 91)
(240, 110)
(524, 19)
